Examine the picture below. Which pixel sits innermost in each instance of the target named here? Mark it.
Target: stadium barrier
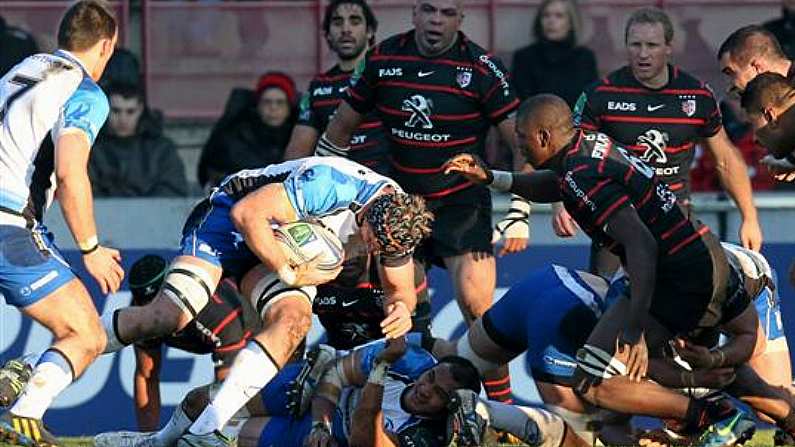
(101, 400)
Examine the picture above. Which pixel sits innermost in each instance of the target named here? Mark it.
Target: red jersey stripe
(669, 149)
(646, 120)
(448, 191)
(503, 109)
(598, 187)
(432, 145)
(327, 102)
(646, 197)
(610, 209)
(689, 239)
(423, 60)
(228, 319)
(335, 78)
(441, 117)
(428, 88)
(411, 170)
(629, 174)
(370, 125)
(666, 91)
(673, 230)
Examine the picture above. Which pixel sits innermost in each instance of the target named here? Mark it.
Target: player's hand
(781, 169)
(470, 166)
(717, 378)
(319, 436)
(397, 321)
(695, 355)
(514, 228)
(562, 223)
(635, 355)
(751, 234)
(395, 348)
(104, 265)
(308, 273)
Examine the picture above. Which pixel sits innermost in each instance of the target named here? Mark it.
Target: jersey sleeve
(713, 121)
(412, 364)
(584, 114)
(306, 116)
(85, 111)
(361, 93)
(319, 189)
(498, 95)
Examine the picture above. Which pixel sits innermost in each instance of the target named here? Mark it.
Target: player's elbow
(242, 215)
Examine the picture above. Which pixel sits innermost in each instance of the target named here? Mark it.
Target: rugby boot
(27, 432)
(126, 439)
(299, 396)
(214, 439)
(734, 430)
(14, 375)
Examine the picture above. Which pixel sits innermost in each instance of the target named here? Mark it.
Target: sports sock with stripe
(253, 368)
(52, 374)
(174, 428)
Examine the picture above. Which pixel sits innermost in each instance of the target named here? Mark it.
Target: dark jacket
(784, 30)
(240, 140)
(15, 45)
(560, 68)
(144, 165)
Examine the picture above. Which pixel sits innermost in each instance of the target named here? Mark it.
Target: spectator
(784, 28)
(132, 157)
(554, 63)
(123, 68)
(15, 45)
(254, 130)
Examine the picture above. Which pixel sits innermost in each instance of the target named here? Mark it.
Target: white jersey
(43, 97)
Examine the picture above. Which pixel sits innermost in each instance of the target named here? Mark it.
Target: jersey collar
(68, 55)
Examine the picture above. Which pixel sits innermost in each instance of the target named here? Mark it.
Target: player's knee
(293, 316)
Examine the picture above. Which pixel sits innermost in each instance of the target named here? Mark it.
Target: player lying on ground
(680, 281)
(230, 233)
(384, 394)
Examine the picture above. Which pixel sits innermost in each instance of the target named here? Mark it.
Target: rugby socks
(498, 386)
(533, 426)
(52, 374)
(174, 428)
(109, 323)
(253, 368)
(703, 412)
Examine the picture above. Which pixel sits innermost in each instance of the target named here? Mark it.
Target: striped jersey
(433, 107)
(42, 98)
(660, 126)
(326, 91)
(599, 177)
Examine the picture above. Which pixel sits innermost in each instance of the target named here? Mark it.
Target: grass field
(762, 439)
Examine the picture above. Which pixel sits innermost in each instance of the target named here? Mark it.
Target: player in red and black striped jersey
(680, 280)
(660, 113)
(350, 27)
(438, 94)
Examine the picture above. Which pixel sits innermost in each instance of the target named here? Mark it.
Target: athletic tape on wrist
(287, 274)
(378, 373)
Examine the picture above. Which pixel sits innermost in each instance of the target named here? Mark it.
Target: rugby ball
(303, 241)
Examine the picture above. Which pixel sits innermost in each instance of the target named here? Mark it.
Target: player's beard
(349, 55)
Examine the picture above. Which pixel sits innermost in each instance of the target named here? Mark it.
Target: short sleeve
(319, 189)
(412, 364)
(86, 110)
(498, 96)
(713, 121)
(361, 94)
(583, 114)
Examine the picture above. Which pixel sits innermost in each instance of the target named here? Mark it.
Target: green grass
(763, 438)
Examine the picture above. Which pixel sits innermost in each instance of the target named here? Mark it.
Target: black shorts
(462, 224)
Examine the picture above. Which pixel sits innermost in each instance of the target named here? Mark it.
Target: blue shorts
(31, 266)
(282, 430)
(209, 234)
(549, 314)
(768, 307)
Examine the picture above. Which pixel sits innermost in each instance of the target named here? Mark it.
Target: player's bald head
(543, 127)
(544, 112)
(749, 42)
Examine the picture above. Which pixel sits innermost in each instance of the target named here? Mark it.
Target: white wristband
(502, 181)
(88, 244)
(378, 373)
(287, 274)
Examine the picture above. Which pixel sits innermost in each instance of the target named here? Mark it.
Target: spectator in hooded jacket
(554, 63)
(254, 130)
(132, 157)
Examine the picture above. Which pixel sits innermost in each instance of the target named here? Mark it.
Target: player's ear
(770, 115)
(544, 136)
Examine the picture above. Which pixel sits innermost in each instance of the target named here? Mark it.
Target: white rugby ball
(303, 241)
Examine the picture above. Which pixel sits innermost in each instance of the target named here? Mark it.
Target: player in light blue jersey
(230, 233)
(50, 112)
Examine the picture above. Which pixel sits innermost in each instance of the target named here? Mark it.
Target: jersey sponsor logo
(358, 139)
(506, 89)
(393, 71)
(579, 193)
(578, 109)
(422, 74)
(420, 108)
(323, 91)
(420, 136)
(667, 197)
(349, 303)
(559, 362)
(636, 162)
(326, 300)
(601, 143)
(689, 107)
(622, 106)
(655, 142)
(652, 108)
(463, 77)
(668, 171)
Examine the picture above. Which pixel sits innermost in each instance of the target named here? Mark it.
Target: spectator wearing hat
(253, 131)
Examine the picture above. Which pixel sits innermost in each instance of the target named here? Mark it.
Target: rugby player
(437, 94)
(349, 27)
(230, 233)
(680, 281)
(384, 394)
(50, 112)
(659, 112)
